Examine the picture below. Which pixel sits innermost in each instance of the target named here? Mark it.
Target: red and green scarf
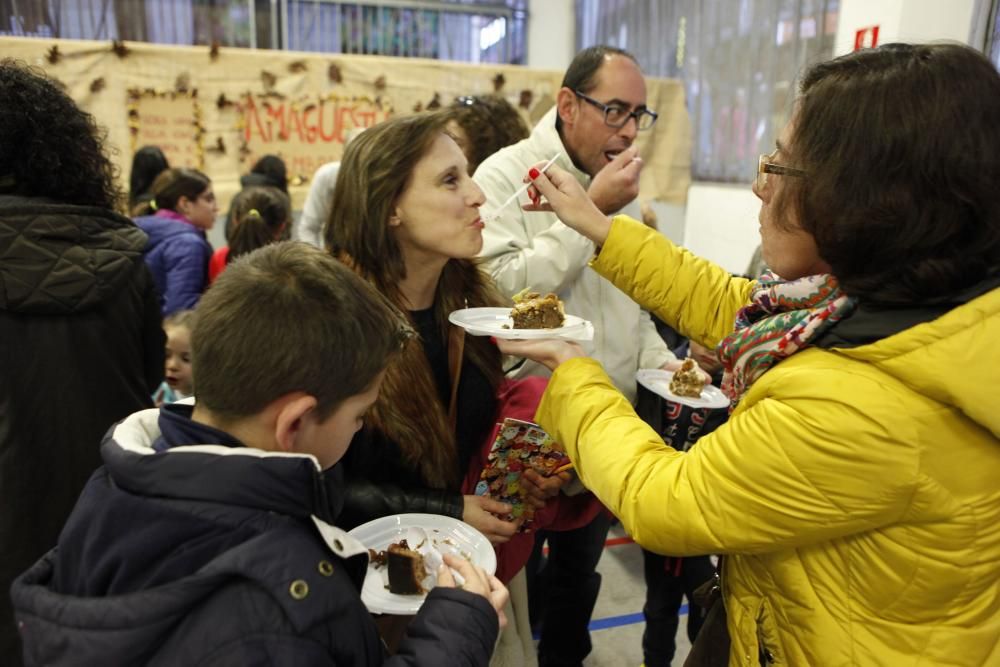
(782, 318)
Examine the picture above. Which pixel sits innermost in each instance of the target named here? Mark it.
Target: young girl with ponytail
(260, 216)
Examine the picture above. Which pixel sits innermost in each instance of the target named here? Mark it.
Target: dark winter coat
(220, 555)
(81, 347)
(177, 254)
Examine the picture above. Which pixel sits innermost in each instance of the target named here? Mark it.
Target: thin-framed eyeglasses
(617, 116)
(765, 167)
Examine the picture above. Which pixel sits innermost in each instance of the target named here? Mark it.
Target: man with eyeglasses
(600, 108)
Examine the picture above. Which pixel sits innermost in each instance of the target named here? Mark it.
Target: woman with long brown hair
(405, 216)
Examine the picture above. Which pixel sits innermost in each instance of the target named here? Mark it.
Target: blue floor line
(617, 621)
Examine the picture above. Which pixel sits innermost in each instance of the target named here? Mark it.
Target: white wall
(905, 21)
(721, 224)
(551, 33)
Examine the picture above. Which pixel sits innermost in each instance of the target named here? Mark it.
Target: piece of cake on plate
(688, 380)
(533, 311)
(406, 569)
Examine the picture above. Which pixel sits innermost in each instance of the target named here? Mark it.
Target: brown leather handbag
(711, 646)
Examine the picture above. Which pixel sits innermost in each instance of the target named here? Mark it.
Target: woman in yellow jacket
(856, 487)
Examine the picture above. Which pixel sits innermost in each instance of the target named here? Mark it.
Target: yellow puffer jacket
(857, 491)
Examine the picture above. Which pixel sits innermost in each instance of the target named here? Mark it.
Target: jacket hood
(953, 359)
(59, 258)
(289, 484)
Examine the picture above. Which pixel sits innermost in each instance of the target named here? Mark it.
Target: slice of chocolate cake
(406, 569)
(532, 311)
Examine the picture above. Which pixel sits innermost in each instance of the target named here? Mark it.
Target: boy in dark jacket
(206, 537)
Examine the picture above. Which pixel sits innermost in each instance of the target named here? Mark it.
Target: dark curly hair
(902, 192)
(489, 122)
(49, 147)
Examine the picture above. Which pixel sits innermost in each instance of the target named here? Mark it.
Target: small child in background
(178, 375)
(260, 216)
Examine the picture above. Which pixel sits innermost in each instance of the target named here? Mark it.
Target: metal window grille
(738, 59)
(465, 30)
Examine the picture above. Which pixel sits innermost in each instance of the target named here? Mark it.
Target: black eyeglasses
(617, 116)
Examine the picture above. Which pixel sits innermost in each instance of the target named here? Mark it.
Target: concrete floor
(617, 624)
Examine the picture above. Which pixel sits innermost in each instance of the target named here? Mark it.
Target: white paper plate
(657, 381)
(450, 535)
(496, 322)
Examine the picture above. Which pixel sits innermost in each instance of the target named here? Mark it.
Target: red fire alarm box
(866, 38)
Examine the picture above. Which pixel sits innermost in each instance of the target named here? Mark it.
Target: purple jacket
(177, 254)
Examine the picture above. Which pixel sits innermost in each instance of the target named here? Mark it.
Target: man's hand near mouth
(618, 183)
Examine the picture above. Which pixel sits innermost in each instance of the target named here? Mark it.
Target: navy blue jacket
(219, 555)
(177, 254)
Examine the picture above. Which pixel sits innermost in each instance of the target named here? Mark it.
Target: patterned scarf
(782, 318)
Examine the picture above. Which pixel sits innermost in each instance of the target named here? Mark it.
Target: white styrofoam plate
(448, 535)
(657, 381)
(496, 322)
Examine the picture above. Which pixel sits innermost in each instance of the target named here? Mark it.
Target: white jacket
(319, 201)
(536, 250)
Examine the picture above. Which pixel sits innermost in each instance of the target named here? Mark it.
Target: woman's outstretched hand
(567, 199)
(550, 352)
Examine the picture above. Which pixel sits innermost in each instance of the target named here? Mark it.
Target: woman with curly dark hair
(483, 124)
(80, 329)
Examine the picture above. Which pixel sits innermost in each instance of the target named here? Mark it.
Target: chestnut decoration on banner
(213, 50)
(53, 55)
(119, 48)
(297, 66)
(334, 74)
(380, 82)
(498, 82)
(418, 107)
(223, 102)
(182, 83)
(268, 79)
(218, 147)
(434, 103)
(98, 84)
(526, 98)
